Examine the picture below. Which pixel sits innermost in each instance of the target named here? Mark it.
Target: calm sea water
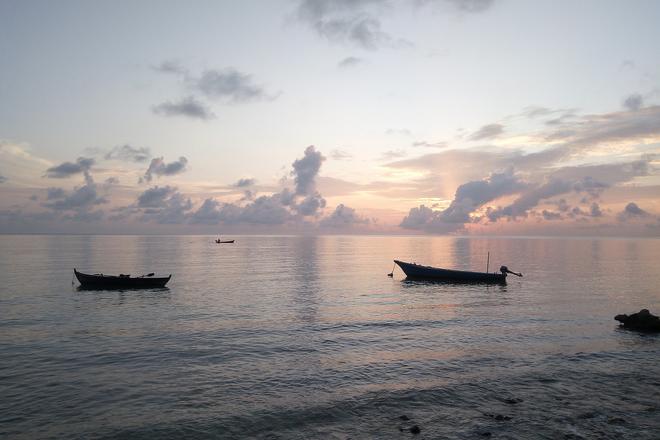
(306, 337)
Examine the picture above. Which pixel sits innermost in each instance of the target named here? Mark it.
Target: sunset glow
(434, 117)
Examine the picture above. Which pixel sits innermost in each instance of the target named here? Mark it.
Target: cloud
(306, 169)
(418, 218)
(158, 167)
(112, 181)
(248, 195)
(343, 217)
(350, 62)
(602, 129)
(393, 154)
(471, 5)
(556, 185)
(242, 183)
(632, 211)
(345, 21)
(634, 102)
(357, 22)
(55, 193)
(188, 106)
(3, 179)
(487, 132)
(85, 216)
(530, 199)
(468, 198)
(80, 198)
(155, 197)
(174, 211)
(129, 153)
(551, 215)
(264, 210)
(562, 205)
(430, 144)
(229, 84)
(594, 179)
(276, 209)
(579, 139)
(340, 154)
(627, 64)
(398, 132)
(310, 205)
(170, 66)
(164, 205)
(208, 213)
(472, 195)
(533, 111)
(68, 169)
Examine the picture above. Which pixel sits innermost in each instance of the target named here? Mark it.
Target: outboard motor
(506, 270)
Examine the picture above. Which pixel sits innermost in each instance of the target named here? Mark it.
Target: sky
(467, 117)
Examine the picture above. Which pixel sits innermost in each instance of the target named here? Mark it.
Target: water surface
(306, 337)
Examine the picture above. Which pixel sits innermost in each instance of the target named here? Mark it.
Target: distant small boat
(417, 271)
(224, 241)
(100, 281)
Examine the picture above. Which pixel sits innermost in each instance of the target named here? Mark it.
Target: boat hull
(116, 282)
(417, 271)
(221, 242)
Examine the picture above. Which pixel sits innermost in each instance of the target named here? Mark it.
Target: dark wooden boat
(417, 271)
(224, 241)
(100, 281)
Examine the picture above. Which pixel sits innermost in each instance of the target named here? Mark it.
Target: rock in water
(415, 430)
(643, 321)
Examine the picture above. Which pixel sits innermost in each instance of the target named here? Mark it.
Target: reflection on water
(306, 337)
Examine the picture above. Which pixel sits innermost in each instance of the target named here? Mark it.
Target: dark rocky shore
(643, 321)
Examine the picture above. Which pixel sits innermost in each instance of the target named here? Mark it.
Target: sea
(306, 337)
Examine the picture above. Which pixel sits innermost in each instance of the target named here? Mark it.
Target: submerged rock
(643, 321)
(415, 430)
